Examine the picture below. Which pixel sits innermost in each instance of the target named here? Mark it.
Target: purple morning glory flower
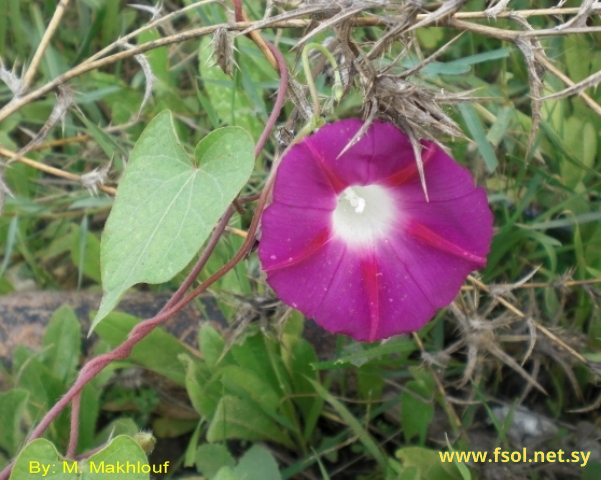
(353, 243)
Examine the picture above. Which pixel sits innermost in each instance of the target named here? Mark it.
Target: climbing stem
(311, 82)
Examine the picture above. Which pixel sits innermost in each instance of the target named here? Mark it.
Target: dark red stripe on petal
(420, 232)
(411, 170)
(311, 249)
(337, 184)
(369, 268)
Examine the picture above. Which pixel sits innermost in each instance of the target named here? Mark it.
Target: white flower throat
(363, 214)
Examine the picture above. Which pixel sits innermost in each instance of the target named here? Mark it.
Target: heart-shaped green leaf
(167, 205)
(122, 458)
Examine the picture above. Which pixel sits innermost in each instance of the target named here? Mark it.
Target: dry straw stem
(590, 81)
(57, 172)
(37, 58)
(545, 62)
(455, 21)
(554, 338)
(155, 23)
(529, 285)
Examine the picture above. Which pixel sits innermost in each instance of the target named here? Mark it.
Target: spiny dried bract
(497, 8)
(64, 100)
(148, 75)
(419, 107)
(96, 177)
(531, 48)
(223, 50)
(11, 79)
(154, 11)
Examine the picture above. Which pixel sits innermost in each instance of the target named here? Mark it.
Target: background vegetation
(513, 362)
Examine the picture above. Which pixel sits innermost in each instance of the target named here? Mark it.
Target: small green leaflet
(167, 205)
(41, 459)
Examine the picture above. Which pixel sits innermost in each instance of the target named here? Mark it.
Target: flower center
(355, 200)
(363, 214)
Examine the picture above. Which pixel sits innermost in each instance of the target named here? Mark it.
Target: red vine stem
(279, 101)
(140, 331)
(74, 434)
(238, 10)
(202, 261)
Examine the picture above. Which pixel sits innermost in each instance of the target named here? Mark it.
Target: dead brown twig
(57, 172)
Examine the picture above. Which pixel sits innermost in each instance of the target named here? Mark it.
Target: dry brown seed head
(223, 49)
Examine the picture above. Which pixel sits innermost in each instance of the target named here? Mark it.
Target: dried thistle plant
(530, 46)
(13, 81)
(64, 100)
(148, 75)
(481, 336)
(96, 177)
(223, 50)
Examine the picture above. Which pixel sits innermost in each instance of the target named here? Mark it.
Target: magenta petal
(320, 283)
(446, 180)
(315, 190)
(453, 223)
(351, 241)
(300, 234)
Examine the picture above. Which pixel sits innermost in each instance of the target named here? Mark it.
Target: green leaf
(43, 386)
(370, 445)
(463, 470)
(298, 355)
(110, 462)
(581, 139)
(228, 100)
(240, 379)
(90, 404)
(211, 344)
(203, 386)
(236, 418)
(10, 243)
(226, 473)
(474, 125)
(211, 458)
(105, 142)
(498, 130)
(397, 346)
(577, 55)
(482, 57)
(428, 463)
(114, 331)
(430, 37)
(12, 404)
(166, 205)
(40, 459)
(416, 414)
(120, 426)
(252, 354)
(258, 464)
(91, 252)
(62, 343)
(166, 427)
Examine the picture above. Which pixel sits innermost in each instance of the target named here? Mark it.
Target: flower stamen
(357, 202)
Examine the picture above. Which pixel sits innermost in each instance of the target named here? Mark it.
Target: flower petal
(446, 179)
(300, 233)
(314, 191)
(369, 160)
(320, 282)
